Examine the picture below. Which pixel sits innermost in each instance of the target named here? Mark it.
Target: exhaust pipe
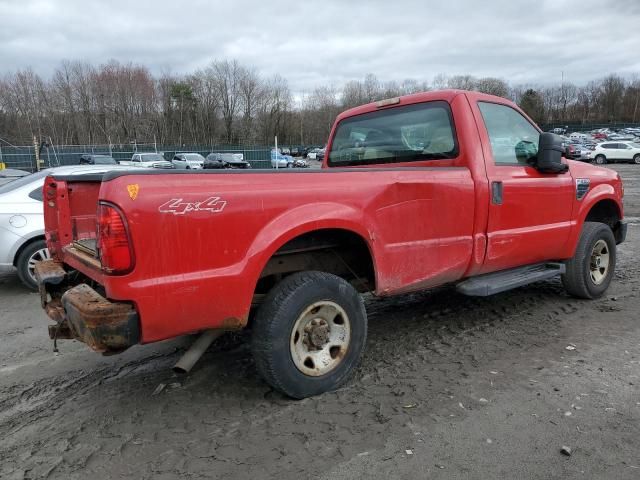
(191, 356)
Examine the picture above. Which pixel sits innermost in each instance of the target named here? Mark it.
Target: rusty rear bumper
(83, 314)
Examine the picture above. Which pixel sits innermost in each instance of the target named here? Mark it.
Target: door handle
(496, 193)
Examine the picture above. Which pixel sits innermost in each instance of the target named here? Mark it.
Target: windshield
(194, 157)
(151, 157)
(21, 182)
(635, 144)
(103, 160)
(422, 131)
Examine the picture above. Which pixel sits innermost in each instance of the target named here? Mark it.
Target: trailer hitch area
(83, 314)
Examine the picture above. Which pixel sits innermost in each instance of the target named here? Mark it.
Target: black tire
(636, 159)
(273, 333)
(601, 160)
(578, 279)
(29, 253)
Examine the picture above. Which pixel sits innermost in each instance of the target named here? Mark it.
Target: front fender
(600, 192)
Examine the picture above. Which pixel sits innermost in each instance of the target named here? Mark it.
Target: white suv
(606, 152)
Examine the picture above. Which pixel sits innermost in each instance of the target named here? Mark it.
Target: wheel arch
(327, 229)
(27, 241)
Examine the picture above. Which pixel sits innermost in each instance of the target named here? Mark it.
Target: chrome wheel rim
(38, 256)
(320, 338)
(599, 263)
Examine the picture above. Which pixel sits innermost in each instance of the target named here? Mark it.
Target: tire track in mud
(419, 346)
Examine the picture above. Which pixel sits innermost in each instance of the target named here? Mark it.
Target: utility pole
(37, 152)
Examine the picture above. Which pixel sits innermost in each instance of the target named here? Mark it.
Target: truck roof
(446, 95)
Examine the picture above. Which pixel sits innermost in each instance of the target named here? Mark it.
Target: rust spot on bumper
(105, 326)
(82, 313)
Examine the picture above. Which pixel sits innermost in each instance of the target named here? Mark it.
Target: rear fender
(301, 220)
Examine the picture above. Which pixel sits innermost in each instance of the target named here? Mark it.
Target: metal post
(37, 153)
(1, 162)
(155, 145)
(277, 159)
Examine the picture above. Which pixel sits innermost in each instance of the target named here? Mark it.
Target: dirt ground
(450, 387)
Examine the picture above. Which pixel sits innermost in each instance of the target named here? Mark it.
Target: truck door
(529, 212)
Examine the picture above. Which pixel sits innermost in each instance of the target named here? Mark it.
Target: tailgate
(70, 214)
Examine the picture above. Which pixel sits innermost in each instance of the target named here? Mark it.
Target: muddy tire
(32, 253)
(590, 271)
(309, 334)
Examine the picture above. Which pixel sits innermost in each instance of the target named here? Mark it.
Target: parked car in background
(285, 151)
(313, 154)
(225, 160)
(22, 221)
(8, 175)
(320, 154)
(611, 152)
(91, 159)
(623, 137)
(578, 137)
(577, 151)
(300, 163)
(148, 160)
(279, 160)
(188, 161)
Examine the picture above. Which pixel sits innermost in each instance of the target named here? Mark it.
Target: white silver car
(22, 220)
(147, 160)
(611, 152)
(188, 161)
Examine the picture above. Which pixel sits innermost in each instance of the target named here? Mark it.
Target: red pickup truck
(418, 191)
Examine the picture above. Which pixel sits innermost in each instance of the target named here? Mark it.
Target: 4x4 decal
(179, 207)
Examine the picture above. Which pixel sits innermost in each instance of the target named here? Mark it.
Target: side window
(136, 158)
(36, 194)
(513, 139)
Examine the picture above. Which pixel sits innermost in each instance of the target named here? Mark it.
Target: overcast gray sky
(313, 43)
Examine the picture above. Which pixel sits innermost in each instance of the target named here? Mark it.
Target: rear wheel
(601, 159)
(309, 334)
(636, 159)
(26, 262)
(591, 269)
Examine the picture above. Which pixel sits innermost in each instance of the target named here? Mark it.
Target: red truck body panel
(201, 239)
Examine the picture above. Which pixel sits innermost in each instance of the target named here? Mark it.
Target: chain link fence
(24, 157)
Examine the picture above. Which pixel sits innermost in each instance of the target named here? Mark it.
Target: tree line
(230, 103)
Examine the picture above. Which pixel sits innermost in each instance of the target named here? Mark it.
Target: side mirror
(549, 157)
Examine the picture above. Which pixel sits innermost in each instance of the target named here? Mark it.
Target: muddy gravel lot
(450, 387)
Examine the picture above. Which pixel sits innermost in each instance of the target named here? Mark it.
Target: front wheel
(636, 159)
(309, 334)
(601, 160)
(591, 269)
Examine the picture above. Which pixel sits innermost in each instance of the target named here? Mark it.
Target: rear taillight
(114, 248)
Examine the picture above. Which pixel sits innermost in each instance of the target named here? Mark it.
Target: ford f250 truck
(445, 187)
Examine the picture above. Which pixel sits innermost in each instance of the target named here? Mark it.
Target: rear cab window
(417, 132)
